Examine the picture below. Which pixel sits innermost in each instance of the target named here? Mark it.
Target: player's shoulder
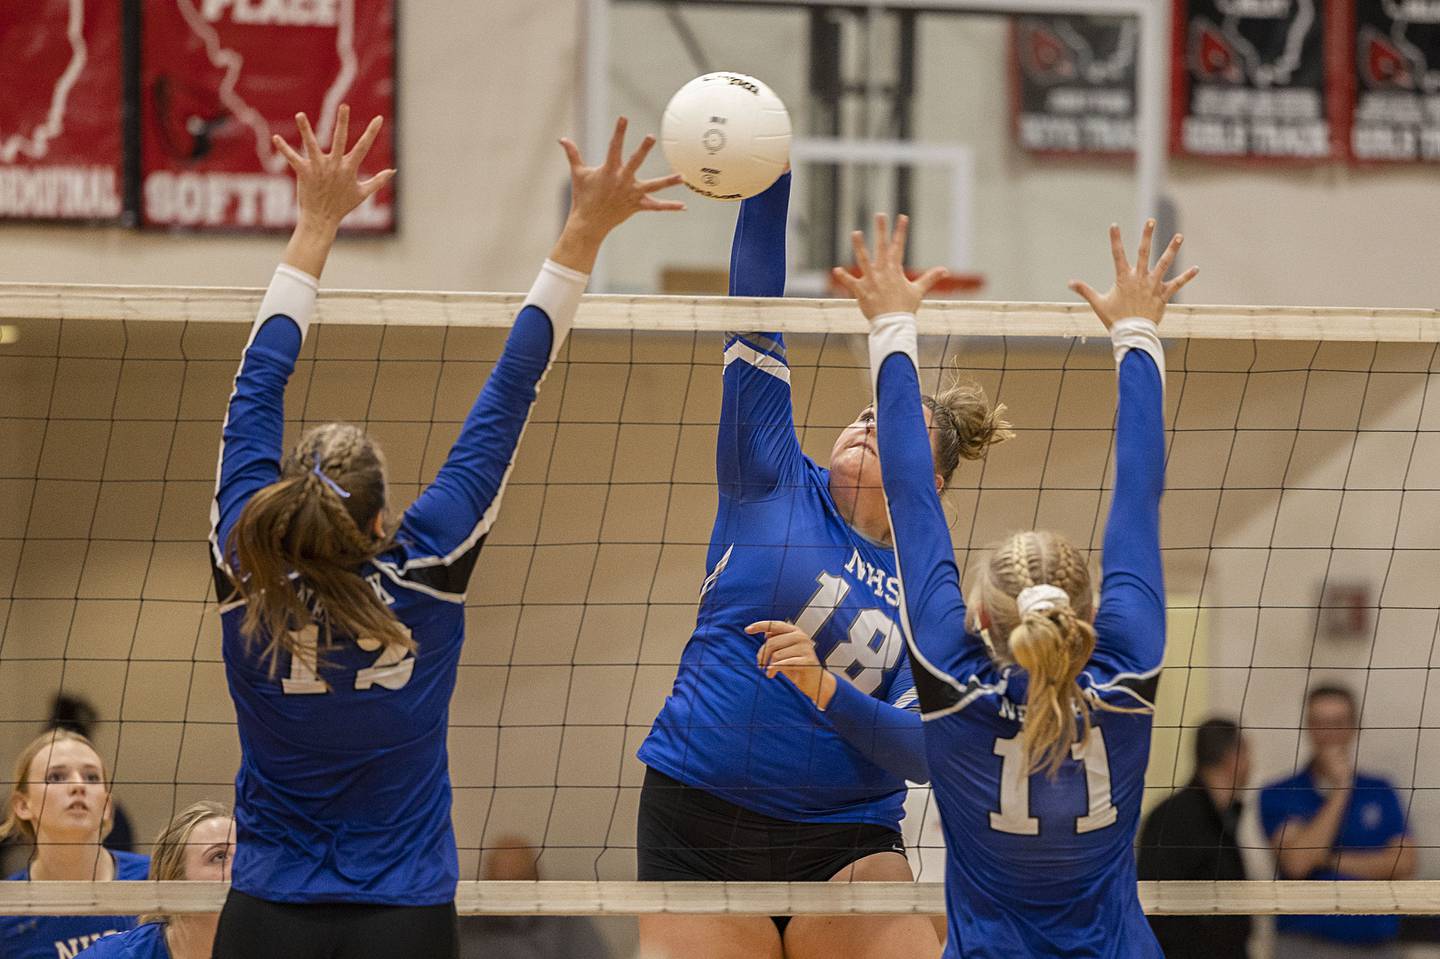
(1287, 790)
(131, 865)
(142, 942)
(1364, 781)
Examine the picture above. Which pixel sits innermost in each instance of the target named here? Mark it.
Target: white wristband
(292, 293)
(891, 333)
(1138, 333)
(557, 291)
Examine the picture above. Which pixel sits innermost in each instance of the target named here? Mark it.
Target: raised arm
(757, 448)
(327, 188)
(932, 610)
(1130, 624)
(447, 524)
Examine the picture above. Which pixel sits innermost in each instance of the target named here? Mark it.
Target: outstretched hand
(790, 652)
(1138, 290)
(605, 196)
(882, 286)
(328, 185)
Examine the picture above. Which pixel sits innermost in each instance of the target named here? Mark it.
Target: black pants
(688, 834)
(252, 928)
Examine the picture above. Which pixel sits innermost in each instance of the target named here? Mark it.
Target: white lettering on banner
(1418, 11)
(1262, 9)
(281, 13)
(59, 191)
(236, 199)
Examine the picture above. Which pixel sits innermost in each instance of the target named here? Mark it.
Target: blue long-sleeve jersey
(63, 937)
(343, 792)
(781, 550)
(1035, 867)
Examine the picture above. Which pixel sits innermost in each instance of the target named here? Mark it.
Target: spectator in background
(1191, 835)
(78, 716)
(526, 937)
(1330, 822)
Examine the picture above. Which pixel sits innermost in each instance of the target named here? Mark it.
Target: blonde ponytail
(1053, 648)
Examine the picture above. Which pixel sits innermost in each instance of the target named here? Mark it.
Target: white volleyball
(727, 134)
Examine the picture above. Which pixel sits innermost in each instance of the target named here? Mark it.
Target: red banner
(1257, 79)
(61, 148)
(1396, 109)
(220, 77)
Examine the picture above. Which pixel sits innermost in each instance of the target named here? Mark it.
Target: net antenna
(1152, 123)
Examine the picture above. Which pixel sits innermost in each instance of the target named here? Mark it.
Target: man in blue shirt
(1330, 822)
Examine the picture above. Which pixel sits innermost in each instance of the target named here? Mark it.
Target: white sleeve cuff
(891, 333)
(292, 293)
(1137, 333)
(557, 291)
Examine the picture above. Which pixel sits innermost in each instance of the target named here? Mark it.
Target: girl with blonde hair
(196, 846)
(60, 802)
(1038, 704)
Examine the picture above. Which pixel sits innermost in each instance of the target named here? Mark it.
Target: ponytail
(299, 544)
(1053, 647)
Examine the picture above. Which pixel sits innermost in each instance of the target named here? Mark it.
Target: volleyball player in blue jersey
(198, 845)
(1038, 705)
(754, 777)
(61, 802)
(342, 631)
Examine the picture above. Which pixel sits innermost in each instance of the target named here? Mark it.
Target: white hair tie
(1041, 599)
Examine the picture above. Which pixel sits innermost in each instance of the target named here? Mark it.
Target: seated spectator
(526, 937)
(1330, 822)
(197, 845)
(1191, 835)
(79, 716)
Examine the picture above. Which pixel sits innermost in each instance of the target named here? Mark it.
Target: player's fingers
(1167, 259)
(929, 278)
(902, 233)
(663, 206)
(1117, 250)
(572, 153)
(617, 143)
(1086, 291)
(766, 626)
(1147, 239)
(846, 280)
(661, 183)
(862, 255)
(367, 139)
(638, 157)
(1180, 282)
(307, 136)
(340, 137)
(882, 237)
(288, 152)
(376, 183)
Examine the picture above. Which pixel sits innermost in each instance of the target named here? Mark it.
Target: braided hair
(299, 544)
(1053, 645)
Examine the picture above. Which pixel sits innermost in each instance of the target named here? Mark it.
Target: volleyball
(727, 134)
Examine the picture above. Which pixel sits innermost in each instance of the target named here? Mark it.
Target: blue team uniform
(343, 792)
(64, 937)
(1035, 867)
(1373, 820)
(781, 550)
(143, 942)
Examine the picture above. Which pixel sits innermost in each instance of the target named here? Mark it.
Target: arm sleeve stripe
(761, 361)
(759, 341)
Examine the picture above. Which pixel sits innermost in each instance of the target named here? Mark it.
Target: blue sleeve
(932, 610)
(1130, 624)
(448, 522)
(757, 450)
(252, 438)
(1274, 810)
(890, 736)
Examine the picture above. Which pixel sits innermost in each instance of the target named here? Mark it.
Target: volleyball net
(1301, 540)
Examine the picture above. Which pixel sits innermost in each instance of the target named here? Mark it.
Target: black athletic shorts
(688, 834)
(253, 928)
